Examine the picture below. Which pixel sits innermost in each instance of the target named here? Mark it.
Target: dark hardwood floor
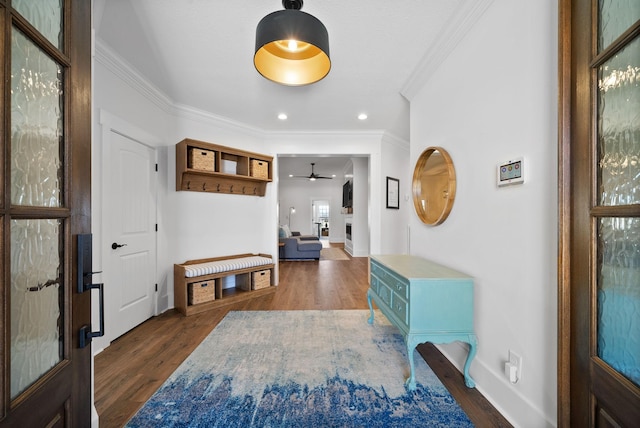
(129, 371)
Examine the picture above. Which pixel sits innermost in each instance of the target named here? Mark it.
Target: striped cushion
(225, 265)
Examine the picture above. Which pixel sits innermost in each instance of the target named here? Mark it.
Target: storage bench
(198, 283)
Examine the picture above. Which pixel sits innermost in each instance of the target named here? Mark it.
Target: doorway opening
(320, 215)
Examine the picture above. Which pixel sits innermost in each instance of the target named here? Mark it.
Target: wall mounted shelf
(206, 167)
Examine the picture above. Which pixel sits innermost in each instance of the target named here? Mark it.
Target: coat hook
(255, 191)
(243, 192)
(231, 189)
(188, 185)
(204, 186)
(218, 188)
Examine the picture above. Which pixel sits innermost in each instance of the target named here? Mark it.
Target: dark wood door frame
(564, 211)
(576, 372)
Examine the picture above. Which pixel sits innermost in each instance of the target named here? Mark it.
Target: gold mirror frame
(434, 186)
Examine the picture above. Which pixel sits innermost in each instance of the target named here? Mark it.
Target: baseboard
(508, 400)
(95, 419)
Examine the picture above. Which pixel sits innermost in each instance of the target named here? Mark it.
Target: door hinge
(156, 167)
(156, 288)
(156, 227)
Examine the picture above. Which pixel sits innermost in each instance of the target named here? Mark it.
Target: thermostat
(511, 172)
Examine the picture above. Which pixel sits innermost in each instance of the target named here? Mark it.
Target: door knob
(115, 246)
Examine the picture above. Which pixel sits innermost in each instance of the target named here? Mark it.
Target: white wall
(360, 228)
(394, 230)
(492, 99)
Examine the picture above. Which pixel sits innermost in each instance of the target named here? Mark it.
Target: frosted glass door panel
(36, 125)
(619, 295)
(619, 127)
(36, 301)
(45, 16)
(616, 16)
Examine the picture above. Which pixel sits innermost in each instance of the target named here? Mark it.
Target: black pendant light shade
(292, 47)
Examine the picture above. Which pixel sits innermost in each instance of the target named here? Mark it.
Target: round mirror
(434, 185)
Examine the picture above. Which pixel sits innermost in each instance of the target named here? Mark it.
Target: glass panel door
(599, 292)
(618, 300)
(36, 301)
(36, 125)
(37, 238)
(615, 17)
(618, 282)
(45, 16)
(617, 213)
(45, 203)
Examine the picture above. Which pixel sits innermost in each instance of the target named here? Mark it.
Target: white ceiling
(200, 54)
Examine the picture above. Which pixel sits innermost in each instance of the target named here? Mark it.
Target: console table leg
(411, 380)
(473, 344)
(370, 320)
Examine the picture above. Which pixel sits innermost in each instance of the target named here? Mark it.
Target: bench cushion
(219, 266)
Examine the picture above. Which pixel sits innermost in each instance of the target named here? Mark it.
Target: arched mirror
(434, 185)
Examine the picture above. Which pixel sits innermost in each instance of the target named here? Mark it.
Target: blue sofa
(299, 247)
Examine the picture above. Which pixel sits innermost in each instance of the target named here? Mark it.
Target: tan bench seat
(196, 272)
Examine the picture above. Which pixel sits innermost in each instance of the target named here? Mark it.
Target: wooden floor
(129, 371)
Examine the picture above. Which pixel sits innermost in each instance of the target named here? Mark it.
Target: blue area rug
(301, 369)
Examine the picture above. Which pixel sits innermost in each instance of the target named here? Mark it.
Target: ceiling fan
(313, 176)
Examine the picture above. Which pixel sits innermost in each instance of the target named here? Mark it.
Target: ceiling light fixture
(292, 47)
(362, 116)
(282, 116)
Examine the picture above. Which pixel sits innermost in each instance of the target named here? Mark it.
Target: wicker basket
(200, 292)
(254, 280)
(259, 169)
(204, 160)
(261, 279)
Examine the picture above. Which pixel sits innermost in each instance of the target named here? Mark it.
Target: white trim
(489, 380)
(120, 126)
(453, 32)
(203, 116)
(396, 142)
(132, 77)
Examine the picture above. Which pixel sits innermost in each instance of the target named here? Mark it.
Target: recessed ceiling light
(282, 116)
(362, 116)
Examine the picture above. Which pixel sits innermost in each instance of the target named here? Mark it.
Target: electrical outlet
(516, 361)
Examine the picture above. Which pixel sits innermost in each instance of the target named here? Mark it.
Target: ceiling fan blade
(312, 176)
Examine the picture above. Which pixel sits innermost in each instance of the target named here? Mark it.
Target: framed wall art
(393, 193)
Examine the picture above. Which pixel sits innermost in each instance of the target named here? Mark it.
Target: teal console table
(428, 302)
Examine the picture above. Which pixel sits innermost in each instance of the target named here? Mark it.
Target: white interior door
(132, 244)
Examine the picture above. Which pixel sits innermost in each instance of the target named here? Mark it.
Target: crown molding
(308, 135)
(396, 141)
(455, 29)
(191, 113)
(131, 76)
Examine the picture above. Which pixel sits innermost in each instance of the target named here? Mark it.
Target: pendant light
(292, 47)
